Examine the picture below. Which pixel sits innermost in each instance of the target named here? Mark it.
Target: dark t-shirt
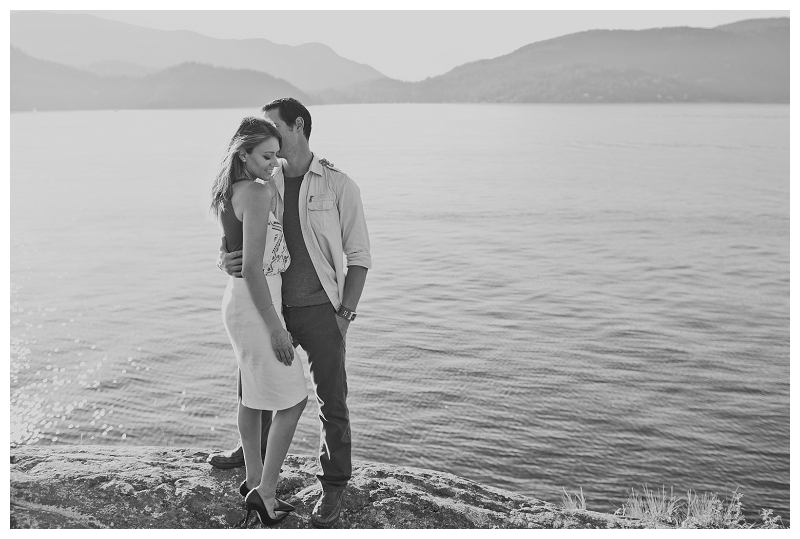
(301, 285)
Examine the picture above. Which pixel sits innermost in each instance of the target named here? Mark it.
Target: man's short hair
(289, 109)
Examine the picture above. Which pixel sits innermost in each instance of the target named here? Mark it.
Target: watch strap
(346, 313)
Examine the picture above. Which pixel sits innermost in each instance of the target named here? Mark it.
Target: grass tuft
(578, 503)
(708, 511)
(651, 506)
(700, 511)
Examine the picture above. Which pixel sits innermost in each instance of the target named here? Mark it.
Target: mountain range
(42, 85)
(81, 41)
(745, 61)
(77, 61)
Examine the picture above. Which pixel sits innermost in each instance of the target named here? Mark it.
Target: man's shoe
(228, 459)
(326, 511)
(231, 459)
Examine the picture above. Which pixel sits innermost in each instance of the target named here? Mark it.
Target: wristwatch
(346, 313)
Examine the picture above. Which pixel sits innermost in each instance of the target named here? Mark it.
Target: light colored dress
(264, 383)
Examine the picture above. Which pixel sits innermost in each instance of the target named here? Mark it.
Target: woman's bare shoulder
(256, 194)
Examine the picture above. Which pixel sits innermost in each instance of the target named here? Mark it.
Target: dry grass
(651, 506)
(578, 503)
(708, 511)
(656, 509)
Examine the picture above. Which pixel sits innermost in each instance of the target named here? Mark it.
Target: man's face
(289, 134)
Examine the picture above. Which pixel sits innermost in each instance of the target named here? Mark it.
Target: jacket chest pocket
(322, 211)
(321, 202)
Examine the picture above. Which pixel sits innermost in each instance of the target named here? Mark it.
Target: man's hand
(343, 325)
(230, 263)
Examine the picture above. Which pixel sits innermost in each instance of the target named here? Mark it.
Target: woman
(269, 377)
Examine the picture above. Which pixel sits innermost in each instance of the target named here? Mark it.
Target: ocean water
(563, 296)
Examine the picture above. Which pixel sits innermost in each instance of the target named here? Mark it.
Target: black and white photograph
(399, 266)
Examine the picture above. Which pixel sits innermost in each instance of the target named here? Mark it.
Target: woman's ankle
(265, 494)
(269, 501)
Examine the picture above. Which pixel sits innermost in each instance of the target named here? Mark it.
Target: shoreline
(161, 487)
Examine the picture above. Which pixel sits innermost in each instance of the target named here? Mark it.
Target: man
(323, 219)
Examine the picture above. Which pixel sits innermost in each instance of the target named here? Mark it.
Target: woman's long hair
(252, 131)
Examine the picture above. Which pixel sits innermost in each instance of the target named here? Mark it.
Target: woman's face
(263, 159)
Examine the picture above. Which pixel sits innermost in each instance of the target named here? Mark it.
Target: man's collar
(315, 167)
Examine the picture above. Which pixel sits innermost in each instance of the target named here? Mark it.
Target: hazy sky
(399, 43)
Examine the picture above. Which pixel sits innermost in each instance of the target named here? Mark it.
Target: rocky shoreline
(160, 487)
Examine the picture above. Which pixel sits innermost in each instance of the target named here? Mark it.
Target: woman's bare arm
(255, 217)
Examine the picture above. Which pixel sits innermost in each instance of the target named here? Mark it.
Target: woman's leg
(249, 423)
(284, 423)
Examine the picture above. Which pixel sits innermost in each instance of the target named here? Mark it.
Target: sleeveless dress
(264, 383)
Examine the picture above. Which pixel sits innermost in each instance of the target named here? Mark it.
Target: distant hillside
(113, 68)
(745, 61)
(43, 85)
(81, 40)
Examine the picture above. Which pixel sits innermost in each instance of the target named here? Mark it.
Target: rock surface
(158, 487)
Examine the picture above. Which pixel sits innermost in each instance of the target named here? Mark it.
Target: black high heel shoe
(243, 490)
(282, 505)
(254, 502)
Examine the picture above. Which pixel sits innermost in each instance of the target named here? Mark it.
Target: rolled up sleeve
(355, 238)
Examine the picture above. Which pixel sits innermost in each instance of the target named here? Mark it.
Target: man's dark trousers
(316, 330)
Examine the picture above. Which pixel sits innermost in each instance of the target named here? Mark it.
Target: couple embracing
(287, 222)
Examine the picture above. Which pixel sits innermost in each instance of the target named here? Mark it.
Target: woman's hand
(282, 345)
